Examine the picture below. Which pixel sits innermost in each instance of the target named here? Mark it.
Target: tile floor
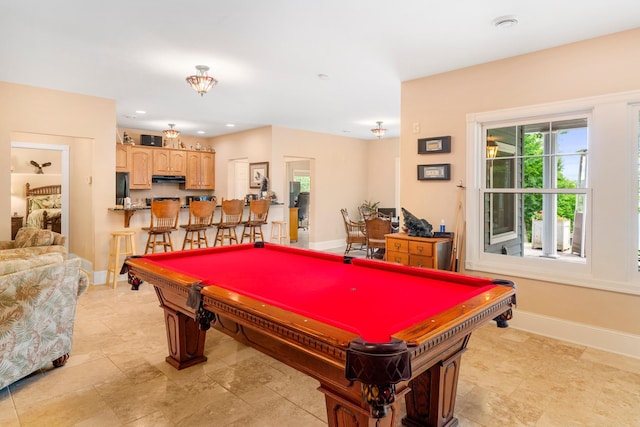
(117, 376)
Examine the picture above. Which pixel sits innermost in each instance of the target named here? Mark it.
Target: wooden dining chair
(230, 218)
(164, 220)
(258, 214)
(355, 232)
(200, 220)
(376, 228)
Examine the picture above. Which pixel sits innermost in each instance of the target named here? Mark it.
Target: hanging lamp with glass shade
(379, 131)
(201, 82)
(171, 133)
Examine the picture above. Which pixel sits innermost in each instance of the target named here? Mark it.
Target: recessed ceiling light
(200, 132)
(504, 22)
(141, 112)
(230, 125)
(323, 77)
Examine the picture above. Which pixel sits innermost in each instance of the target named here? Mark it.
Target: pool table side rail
(172, 288)
(462, 318)
(254, 313)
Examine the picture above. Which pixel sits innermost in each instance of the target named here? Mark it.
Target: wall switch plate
(416, 127)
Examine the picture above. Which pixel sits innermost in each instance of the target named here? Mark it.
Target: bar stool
(200, 220)
(230, 218)
(258, 214)
(164, 220)
(282, 225)
(116, 251)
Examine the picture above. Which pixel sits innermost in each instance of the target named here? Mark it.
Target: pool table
(372, 333)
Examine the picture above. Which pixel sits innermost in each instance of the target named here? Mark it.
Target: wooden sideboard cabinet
(428, 252)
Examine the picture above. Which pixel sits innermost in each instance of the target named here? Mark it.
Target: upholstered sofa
(39, 290)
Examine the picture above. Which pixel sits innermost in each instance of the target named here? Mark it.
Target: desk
(331, 318)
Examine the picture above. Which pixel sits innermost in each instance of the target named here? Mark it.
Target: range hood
(168, 179)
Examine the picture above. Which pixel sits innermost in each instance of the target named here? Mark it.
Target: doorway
(23, 171)
(299, 198)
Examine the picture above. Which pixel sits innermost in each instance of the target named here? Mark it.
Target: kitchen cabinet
(169, 162)
(141, 168)
(123, 158)
(428, 252)
(200, 170)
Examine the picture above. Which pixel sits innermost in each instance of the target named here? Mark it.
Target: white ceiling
(267, 55)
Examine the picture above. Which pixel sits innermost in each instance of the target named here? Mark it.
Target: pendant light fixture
(171, 133)
(379, 131)
(201, 82)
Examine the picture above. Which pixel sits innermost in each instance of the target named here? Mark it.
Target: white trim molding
(577, 333)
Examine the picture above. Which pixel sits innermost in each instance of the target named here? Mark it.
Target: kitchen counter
(128, 212)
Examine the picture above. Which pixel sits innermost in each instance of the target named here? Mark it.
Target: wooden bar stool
(258, 214)
(164, 220)
(230, 218)
(116, 251)
(200, 220)
(282, 232)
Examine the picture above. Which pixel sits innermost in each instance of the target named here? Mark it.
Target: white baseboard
(328, 244)
(577, 333)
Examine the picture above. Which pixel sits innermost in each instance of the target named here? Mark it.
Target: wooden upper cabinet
(169, 162)
(143, 162)
(123, 158)
(200, 171)
(141, 168)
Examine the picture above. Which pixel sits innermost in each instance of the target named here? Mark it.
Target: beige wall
(440, 104)
(344, 171)
(74, 119)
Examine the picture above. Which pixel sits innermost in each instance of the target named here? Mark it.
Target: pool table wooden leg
(342, 412)
(184, 338)
(432, 398)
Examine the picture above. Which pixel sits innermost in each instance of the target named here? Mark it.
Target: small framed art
(438, 144)
(258, 171)
(440, 172)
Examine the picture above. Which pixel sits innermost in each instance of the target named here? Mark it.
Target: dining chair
(258, 213)
(230, 218)
(200, 220)
(164, 220)
(376, 228)
(355, 232)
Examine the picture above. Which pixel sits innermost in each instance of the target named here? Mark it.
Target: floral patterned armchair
(38, 296)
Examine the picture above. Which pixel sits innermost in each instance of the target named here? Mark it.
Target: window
(535, 188)
(542, 175)
(304, 179)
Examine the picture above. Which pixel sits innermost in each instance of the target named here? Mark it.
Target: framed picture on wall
(438, 144)
(257, 171)
(440, 172)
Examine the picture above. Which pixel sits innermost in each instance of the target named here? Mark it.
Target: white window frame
(610, 248)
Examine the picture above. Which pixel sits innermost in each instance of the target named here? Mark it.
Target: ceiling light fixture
(378, 132)
(171, 133)
(201, 82)
(504, 22)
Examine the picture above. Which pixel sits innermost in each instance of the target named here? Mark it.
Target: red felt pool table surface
(372, 299)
